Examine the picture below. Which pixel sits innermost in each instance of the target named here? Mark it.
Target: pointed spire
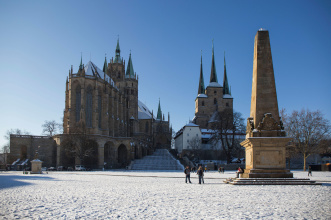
(159, 112)
(81, 62)
(213, 75)
(105, 66)
(117, 52)
(226, 89)
(129, 69)
(201, 89)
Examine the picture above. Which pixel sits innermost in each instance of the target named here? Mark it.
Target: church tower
(214, 99)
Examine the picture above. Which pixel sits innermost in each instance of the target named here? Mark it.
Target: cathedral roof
(92, 70)
(143, 111)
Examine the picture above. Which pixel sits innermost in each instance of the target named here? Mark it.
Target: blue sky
(40, 40)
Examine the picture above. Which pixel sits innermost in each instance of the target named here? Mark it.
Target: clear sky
(40, 40)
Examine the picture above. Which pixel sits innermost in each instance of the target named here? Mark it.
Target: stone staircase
(161, 159)
(270, 181)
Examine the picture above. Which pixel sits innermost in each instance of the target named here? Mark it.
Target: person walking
(187, 172)
(200, 174)
(309, 171)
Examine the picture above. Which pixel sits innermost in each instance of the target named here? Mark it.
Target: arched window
(78, 103)
(99, 109)
(89, 107)
(203, 103)
(215, 101)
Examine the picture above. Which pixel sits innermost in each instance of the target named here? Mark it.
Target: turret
(159, 112)
(118, 52)
(129, 70)
(226, 89)
(201, 89)
(213, 75)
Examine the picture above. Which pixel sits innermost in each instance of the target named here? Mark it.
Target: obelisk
(265, 144)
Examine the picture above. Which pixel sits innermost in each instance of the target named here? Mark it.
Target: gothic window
(215, 101)
(89, 107)
(78, 103)
(99, 109)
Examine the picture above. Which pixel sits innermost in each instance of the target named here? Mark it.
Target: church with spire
(101, 110)
(212, 99)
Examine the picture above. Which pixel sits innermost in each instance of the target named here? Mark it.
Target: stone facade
(103, 103)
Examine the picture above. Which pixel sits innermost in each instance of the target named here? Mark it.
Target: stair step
(160, 160)
(271, 181)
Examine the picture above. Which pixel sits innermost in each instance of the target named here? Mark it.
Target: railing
(28, 136)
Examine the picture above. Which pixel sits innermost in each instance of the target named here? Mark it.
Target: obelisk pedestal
(265, 144)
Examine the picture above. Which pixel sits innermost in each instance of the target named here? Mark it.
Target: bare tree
(227, 126)
(77, 144)
(50, 127)
(194, 143)
(309, 129)
(16, 131)
(5, 151)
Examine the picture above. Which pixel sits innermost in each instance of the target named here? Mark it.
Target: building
(212, 99)
(101, 111)
(188, 138)
(210, 102)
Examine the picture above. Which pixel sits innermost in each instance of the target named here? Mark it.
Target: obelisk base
(266, 157)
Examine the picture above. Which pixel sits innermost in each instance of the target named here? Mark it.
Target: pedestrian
(187, 172)
(309, 171)
(240, 171)
(200, 174)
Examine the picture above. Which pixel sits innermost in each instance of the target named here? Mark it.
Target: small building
(188, 138)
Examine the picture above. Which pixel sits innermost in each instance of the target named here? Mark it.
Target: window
(215, 92)
(89, 107)
(215, 101)
(203, 103)
(227, 104)
(78, 103)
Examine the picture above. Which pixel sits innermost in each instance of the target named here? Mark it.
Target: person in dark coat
(309, 171)
(187, 172)
(200, 174)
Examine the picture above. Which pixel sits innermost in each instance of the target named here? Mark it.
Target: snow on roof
(143, 111)
(227, 96)
(214, 84)
(202, 96)
(92, 70)
(191, 125)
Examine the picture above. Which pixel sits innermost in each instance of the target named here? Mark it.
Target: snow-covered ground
(157, 195)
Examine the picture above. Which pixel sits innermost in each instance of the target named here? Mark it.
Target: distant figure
(200, 174)
(240, 171)
(187, 172)
(309, 171)
(220, 169)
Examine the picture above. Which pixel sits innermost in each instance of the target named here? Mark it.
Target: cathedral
(102, 113)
